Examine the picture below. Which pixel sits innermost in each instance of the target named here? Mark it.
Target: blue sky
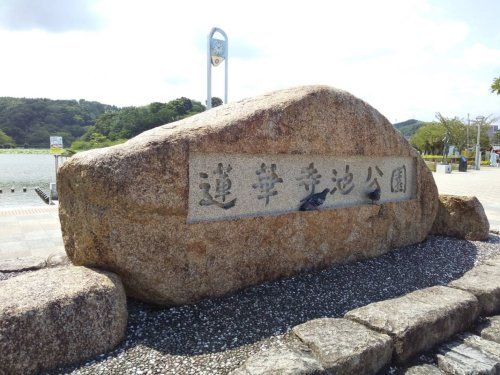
(409, 59)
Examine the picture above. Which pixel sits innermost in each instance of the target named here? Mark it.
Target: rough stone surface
(461, 217)
(216, 336)
(22, 264)
(470, 354)
(58, 316)
(125, 208)
(284, 361)
(421, 319)
(423, 370)
(484, 282)
(345, 347)
(489, 329)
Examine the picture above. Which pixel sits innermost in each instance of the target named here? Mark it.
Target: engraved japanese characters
(243, 185)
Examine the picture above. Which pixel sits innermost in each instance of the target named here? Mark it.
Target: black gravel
(215, 336)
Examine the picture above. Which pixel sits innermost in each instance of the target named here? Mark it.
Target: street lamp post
(479, 121)
(216, 53)
(468, 126)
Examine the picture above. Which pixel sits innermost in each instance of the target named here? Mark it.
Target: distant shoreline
(36, 151)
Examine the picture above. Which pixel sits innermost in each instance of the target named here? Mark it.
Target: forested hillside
(30, 122)
(127, 122)
(83, 124)
(408, 127)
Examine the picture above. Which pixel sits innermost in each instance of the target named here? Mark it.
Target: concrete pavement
(28, 231)
(36, 231)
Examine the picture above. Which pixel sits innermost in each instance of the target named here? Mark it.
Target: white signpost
(216, 53)
(56, 145)
(56, 148)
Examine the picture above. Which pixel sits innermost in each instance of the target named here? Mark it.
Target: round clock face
(218, 48)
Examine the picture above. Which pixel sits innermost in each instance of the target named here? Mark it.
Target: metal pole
(478, 148)
(468, 124)
(56, 157)
(225, 68)
(209, 73)
(209, 66)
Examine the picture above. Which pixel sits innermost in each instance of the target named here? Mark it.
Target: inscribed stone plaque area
(232, 186)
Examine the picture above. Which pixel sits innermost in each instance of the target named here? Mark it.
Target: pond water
(30, 171)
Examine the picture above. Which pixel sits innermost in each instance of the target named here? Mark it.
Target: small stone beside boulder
(58, 316)
(462, 217)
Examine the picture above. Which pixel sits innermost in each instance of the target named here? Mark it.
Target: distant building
(492, 130)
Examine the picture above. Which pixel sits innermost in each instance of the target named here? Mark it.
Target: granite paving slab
(419, 320)
(484, 282)
(345, 347)
(469, 355)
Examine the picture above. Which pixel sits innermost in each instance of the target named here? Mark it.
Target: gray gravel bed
(216, 335)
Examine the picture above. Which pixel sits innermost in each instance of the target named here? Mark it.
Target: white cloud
(398, 56)
(49, 15)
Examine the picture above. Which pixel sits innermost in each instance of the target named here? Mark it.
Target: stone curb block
(345, 347)
(423, 370)
(419, 320)
(284, 361)
(469, 354)
(490, 329)
(58, 316)
(484, 282)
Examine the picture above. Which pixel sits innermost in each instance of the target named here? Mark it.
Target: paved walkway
(37, 232)
(30, 232)
(484, 184)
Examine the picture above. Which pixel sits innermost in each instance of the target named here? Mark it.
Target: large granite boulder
(58, 316)
(461, 217)
(234, 196)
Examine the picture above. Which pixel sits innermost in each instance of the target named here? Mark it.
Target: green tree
(428, 139)
(6, 141)
(495, 86)
(496, 138)
(30, 121)
(216, 101)
(457, 131)
(127, 122)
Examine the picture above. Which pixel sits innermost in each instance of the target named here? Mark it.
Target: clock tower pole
(216, 54)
